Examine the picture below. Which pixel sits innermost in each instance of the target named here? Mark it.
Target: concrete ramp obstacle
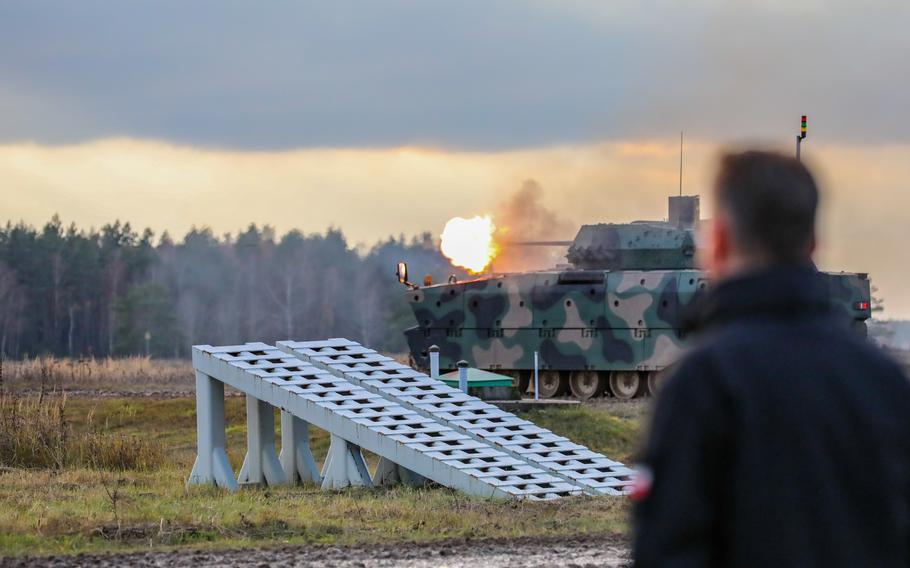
(412, 446)
(483, 422)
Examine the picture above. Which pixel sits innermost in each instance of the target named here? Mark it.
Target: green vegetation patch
(611, 428)
(82, 510)
(79, 508)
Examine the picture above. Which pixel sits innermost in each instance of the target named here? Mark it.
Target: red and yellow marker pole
(802, 135)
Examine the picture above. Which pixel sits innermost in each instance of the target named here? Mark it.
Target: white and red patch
(641, 484)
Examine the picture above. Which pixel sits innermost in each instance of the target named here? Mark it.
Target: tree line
(116, 291)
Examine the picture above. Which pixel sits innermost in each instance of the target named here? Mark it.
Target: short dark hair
(771, 200)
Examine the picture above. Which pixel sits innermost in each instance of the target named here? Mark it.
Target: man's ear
(813, 245)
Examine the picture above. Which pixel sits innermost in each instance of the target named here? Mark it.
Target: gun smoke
(523, 217)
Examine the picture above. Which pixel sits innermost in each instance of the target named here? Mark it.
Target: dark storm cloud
(458, 74)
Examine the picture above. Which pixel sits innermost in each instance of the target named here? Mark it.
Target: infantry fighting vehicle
(606, 324)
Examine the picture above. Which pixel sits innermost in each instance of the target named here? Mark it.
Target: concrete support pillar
(211, 466)
(462, 376)
(391, 473)
(434, 361)
(344, 466)
(261, 464)
(296, 458)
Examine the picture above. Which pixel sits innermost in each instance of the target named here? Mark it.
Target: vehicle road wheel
(624, 384)
(522, 380)
(551, 384)
(585, 384)
(653, 382)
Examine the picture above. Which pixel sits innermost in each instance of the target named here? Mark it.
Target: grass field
(77, 508)
(126, 374)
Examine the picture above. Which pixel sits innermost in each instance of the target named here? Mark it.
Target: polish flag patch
(641, 483)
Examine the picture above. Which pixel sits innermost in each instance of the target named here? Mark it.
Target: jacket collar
(783, 291)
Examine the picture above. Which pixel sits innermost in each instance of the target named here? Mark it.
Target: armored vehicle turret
(604, 325)
(642, 245)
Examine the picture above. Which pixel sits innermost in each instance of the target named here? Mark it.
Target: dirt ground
(519, 553)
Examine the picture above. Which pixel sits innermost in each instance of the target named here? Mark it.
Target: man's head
(764, 213)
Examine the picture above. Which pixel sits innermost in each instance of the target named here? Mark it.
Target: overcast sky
(466, 74)
(389, 117)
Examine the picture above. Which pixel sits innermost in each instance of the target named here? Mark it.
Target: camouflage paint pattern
(591, 320)
(642, 245)
(616, 309)
(576, 320)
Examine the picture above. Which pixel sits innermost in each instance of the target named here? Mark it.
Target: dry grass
(98, 474)
(84, 474)
(35, 433)
(129, 373)
(79, 510)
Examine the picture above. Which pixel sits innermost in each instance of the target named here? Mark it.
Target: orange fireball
(469, 242)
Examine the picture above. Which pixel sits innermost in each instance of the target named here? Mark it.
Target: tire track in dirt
(589, 551)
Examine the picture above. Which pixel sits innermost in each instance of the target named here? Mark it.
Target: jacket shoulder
(740, 348)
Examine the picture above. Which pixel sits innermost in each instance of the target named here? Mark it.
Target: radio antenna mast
(680, 161)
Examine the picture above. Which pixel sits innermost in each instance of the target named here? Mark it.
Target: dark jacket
(781, 439)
